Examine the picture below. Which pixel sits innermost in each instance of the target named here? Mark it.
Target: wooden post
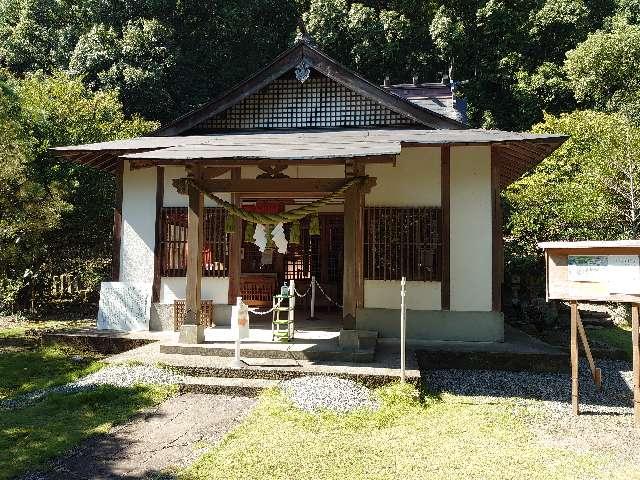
(192, 331)
(117, 225)
(574, 357)
(155, 292)
(445, 204)
(635, 334)
(595, 372)
(496, 226)
(235, 246)
(353, 271)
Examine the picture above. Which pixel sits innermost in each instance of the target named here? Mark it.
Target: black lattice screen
(319, 102)
(402, 242)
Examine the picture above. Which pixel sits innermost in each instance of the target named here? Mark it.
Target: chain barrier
(327, 296)
(303, 294)
(257, 312)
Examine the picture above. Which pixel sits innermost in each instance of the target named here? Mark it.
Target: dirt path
(171, 436)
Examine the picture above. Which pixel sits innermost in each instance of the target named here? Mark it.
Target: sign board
(124, 306)
(240, 321)
(597, 271)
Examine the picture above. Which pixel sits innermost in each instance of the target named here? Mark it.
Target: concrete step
(320, 351)
(370, 376)
(246, 387)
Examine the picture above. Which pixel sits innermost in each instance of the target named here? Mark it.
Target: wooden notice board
(596, 271)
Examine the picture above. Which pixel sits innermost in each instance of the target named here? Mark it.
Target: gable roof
(326, 66)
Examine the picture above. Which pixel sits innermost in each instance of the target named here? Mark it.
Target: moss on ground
(407, 438)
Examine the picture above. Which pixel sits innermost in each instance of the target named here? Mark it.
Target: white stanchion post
(403, 328)
(292, 306)
(313, 298)
(239, 323)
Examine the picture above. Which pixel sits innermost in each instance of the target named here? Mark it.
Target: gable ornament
(303, 70)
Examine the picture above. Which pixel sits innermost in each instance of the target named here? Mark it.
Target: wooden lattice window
(302, 260)
(319, 102)
(173, 243)
(403, 242)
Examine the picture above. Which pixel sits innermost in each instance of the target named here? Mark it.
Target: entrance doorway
(316, 255)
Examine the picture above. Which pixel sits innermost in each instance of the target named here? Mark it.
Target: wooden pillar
(155, 292)
(117, 225)
(235, 246)
(191, 331)
(497, 270)
(353, 270)
(574, 357)
(635, 334)
(445, 205)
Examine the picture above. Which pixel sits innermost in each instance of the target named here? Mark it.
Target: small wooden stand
(596, 271)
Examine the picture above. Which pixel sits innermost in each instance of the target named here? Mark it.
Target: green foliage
(585, 190)
(46, 202)
(603, 70)
(376, 42)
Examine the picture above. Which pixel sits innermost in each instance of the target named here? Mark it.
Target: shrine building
(390, 181)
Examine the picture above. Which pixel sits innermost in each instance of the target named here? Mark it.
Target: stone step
(246, 387)
(272, 375)
(283, 351)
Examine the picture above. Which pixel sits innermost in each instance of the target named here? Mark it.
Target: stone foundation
(434, 324)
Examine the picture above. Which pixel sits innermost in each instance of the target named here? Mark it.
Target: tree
(377, 42)
(603, 70)
(55, 217)
(588, 189)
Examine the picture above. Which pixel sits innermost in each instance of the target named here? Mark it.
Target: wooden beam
(117, 225)
(635, 342)
(213, 172)
(596, 373)
(445, 204)
(231, 162)
(155, 291)
(235, 245)
(191, 331)
(273, 185)
(353, 271)
(497, 273)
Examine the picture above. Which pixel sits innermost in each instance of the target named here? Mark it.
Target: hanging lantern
(294, 233)
(229, 224)
(314, 225)
(249, 230)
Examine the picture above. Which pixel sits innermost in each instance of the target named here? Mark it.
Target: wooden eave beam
(275, 185)
(136, 163)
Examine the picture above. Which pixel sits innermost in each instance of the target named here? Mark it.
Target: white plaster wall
(171, 196)
(386, 294)
(471, 232)
(138, 224)
(413, 182)
(174, 288)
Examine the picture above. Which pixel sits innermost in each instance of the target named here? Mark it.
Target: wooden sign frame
(613, 280)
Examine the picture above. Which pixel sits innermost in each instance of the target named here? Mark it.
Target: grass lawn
(617, 337)
(446, 438)
(31, 435)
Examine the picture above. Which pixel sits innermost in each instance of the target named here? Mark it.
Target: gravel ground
(116, 375)
(321, 392)
(553, 388)
(543, 400)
